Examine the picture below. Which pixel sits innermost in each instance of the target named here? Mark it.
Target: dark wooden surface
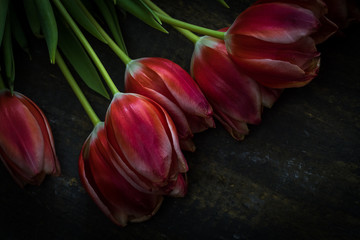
(296, 176)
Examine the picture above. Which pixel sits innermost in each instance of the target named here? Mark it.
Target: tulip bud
(144, 142)
(169, 85)
(235, 97)
(26, 142)
(273, 43)
(115, 196)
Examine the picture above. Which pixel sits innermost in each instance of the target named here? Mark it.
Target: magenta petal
(118, 199)
(172, 87)
(274, 22)
(26, 143)
(143, 139)
(278, 74)
(269, 95)
(320, 10)
(233, 95)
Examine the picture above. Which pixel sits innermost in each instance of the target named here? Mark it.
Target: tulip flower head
(26, 142)
(144, 142)
(235, 97)
(172, 87)
(115, 196)
(273, 43)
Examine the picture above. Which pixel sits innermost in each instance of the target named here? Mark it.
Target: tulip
(26, 142)
(235, 97)
(115, 196)
(326, 27)
(144, 142)
(168, 84)
(273, 43)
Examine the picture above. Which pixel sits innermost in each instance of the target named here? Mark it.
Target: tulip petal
(274, 22)
(269, 95)
(144, 141)
(152, 86)
(228, 90)
(51, 163)
(111, 192)
(318, 7)
(298, 53)
(173, 88)
(278, 74)
(26, 144)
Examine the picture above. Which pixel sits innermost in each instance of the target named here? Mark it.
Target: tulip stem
(117, 50)
(87, 46)
(188, 34)
(191, 27)
(75, 87)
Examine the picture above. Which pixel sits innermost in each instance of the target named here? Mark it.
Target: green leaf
(48, 26)
(8, 56)
(32, 17)
(223, 3)
(3, 12)
(17, 30)
(78, 14)
(78, 58)
(140, 10)
(108, 11)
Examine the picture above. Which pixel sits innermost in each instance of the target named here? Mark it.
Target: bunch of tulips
(134, 157)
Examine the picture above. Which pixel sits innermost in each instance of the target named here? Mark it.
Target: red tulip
(145, 144)
(168, 84)
(26, 142)
(273, 43)
(116, 197)
(319, 9)
(235, 97)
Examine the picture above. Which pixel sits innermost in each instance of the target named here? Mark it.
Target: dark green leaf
(78, 14)
(141, 11)
(78, 58)
(32, 17)
(108, 11)
(8, 56)
(48, 26)
(17, 30)
(3, 12)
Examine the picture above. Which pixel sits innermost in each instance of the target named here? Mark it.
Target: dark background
(296, 176)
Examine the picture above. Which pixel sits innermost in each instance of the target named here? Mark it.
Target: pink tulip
(26, 142)
(116, 197)
(144, 142)
(273, 43)
(168, 84)
(235, 97)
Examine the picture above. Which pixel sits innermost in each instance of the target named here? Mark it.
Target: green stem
(120, 53)
(75, 87)
(87, 46)
(191, 27)
(189, 35)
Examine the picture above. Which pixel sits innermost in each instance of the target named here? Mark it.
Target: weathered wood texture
(296, 176)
